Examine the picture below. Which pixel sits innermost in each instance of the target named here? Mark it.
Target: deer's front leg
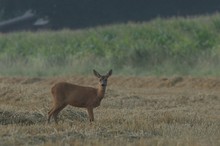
(90, 112)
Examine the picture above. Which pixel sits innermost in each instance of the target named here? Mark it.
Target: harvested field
(136, 111)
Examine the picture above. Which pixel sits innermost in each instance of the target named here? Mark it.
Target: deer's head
(102, 78)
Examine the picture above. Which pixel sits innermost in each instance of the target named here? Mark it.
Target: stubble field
(135, 111)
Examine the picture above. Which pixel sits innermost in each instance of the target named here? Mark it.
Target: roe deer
(69, 94)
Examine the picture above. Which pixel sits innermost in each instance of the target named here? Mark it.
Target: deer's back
(73, 94)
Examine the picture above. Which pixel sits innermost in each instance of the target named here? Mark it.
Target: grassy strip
(180, 46)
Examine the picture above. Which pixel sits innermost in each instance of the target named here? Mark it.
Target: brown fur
(79, 96)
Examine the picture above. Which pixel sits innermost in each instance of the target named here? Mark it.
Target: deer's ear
(109, 73)
(96, 73)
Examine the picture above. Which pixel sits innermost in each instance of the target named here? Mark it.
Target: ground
(135, 111)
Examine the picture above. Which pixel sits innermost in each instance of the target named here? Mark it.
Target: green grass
(175, 46)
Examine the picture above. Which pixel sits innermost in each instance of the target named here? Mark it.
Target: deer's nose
(103, 83)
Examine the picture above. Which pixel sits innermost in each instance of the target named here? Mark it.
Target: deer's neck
(101, 92)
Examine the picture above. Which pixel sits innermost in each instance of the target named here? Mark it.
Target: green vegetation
(175, 46)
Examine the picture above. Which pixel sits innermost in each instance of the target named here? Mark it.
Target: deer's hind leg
(54, 111)
(49, 115)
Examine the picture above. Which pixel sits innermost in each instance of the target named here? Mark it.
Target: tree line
(87, 13)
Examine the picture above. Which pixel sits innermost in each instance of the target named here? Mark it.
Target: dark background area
(76, 14)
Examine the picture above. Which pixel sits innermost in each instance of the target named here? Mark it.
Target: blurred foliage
(178, 45)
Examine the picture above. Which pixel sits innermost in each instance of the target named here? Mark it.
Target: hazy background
(133, 37)
(90, 13)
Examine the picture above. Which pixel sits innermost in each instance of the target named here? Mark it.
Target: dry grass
(136, 111)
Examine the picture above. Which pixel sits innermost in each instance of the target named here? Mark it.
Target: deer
(65, 93)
